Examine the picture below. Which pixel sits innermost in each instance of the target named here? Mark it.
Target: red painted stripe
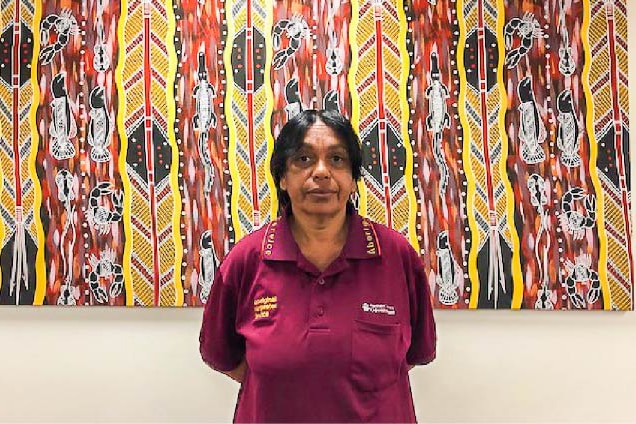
(597, 47)
(365, 7)
(372, 188)
(599, 83)
(134, 118)
(133, 79)
(366, 121)
(609, 192)
(168, 277)
(249, 89)
(140, 267)
(618, 130)
(15, 79)
(159, 43)
(134, 4)
(391, 44)
(158, 76)
(382, 127)
(622, 6)
(391, 9)
(601, 125)
(618, 275)
(158, 117)
(481, 40)
(134, 42)
(393, 121)
(366, 45)
(620, 238)
(150, 149)
(393, 82)
(140, 226)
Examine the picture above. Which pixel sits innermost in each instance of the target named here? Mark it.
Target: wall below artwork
(131, 365)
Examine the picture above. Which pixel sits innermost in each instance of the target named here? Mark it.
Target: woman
(320, 314)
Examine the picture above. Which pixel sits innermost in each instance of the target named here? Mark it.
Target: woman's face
(318, 179)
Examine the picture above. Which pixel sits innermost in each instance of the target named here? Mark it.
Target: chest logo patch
(378, 308)
(264, 306)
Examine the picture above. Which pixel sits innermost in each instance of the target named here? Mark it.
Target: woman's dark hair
(291, 138)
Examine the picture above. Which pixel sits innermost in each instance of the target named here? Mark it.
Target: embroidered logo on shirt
(378, 308)
(263, 306)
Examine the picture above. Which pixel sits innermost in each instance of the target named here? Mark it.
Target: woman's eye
(302, 159)
(339, 159)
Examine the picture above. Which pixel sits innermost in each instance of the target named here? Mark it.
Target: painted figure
(531, 128)
(63, 128)
(204, 120)
(100, 127)
(64, 25)
(447, 269)
(208, 264)
(527, 28)
(296, 30)
(438, 119)
(568, 134)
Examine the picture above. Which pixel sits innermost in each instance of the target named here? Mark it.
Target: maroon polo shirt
(321, 347)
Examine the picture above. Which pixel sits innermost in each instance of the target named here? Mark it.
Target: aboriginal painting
(136, 136)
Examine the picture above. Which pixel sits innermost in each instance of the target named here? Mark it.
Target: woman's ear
(283, 184)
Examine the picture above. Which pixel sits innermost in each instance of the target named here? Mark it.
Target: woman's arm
(237, 373)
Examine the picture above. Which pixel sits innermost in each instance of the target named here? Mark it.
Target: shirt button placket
(319, 309)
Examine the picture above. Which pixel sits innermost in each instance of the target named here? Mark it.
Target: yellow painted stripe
(263, 98)
(406, 139)
(6, 19)
(269, 51)
(174, 170)
(121, 128)
(40, 265)
(232, 130)
(517, 276)
(600, 196)
(355, 97)
(466, 159)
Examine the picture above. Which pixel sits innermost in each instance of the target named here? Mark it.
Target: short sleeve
(221, 347)
(423, 333)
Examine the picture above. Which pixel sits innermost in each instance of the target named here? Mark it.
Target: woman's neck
(310, 230)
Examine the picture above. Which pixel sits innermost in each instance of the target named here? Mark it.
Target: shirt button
(321, 281)
(321, 311)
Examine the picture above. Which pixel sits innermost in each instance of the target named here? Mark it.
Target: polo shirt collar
(362, 239)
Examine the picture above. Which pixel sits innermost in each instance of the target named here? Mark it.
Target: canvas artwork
(136, 135)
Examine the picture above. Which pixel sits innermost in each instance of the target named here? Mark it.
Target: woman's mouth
(320, 192)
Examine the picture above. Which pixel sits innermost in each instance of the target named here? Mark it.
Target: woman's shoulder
(392, 241)
(388, 235)
(245, 253)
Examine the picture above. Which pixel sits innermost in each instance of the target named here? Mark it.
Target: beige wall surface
(135, 365)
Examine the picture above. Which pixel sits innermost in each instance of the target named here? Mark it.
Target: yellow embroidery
(368, 233)
(263, 306)
(268, 241)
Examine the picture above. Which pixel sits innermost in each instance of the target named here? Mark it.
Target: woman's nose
(321, 170)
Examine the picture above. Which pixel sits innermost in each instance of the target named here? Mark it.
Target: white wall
(136, 365)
